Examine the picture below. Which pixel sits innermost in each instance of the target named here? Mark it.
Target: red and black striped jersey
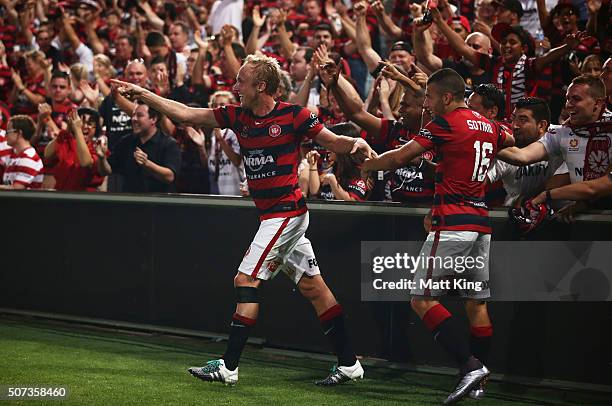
(270, 146)
(407, 184)
(466, 144)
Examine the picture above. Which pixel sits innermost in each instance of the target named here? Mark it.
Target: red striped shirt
(466, 144)
(23, 168)
(270, 146)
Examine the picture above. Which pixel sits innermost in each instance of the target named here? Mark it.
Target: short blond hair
(221, 93)
(265, 69)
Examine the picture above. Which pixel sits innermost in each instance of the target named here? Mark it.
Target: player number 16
(481, 160)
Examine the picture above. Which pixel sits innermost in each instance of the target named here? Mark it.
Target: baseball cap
(401, 46)
(564, 5)
(512, 5)
(89, 3)
(461, 20)
(501, 30)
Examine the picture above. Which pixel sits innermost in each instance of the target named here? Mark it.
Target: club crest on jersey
(573, 145)
(428, 155)
(274, 130)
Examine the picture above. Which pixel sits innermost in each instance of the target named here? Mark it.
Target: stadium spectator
(530, 121)
(606, 76)
(72, 153)
(224, 158)
(472, 74)
(584, 143)
(116, 110)
(411, 183)
(517, 74)
(149, 160)
(22, 168)
(29, 92)
(343, 181)
(508, 12)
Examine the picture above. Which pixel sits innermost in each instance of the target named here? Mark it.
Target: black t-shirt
(161, 149)
(117, 122)
(188, 94)
(471, 81)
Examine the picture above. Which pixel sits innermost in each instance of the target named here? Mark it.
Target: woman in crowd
(343, 181)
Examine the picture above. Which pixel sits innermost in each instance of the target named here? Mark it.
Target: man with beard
(530, 121)
(149, 160)
(584, 142)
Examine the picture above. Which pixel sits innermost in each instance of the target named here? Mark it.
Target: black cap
(559, 7)
(401, 46)
(512, 5)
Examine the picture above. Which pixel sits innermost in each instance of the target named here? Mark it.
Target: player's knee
(243, 280)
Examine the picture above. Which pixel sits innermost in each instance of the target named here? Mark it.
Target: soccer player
(467, 142)
(270, 134)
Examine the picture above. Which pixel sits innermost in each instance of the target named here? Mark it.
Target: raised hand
(44, 112)
(227, 35)
(91, 93)
(258, 19)
(102, 147)
(17, 80)
(313, 158)
(74, 122)
(378, 8)
(573, 40)
(196, 136)
(360, 9)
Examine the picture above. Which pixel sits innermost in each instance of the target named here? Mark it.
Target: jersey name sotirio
(587, 150)
(465, 143)
(270, 147)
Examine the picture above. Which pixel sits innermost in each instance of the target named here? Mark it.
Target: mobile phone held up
(427, 17)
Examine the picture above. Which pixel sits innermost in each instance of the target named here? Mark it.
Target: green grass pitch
(108, 367)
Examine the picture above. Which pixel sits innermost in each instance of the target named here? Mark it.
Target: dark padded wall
(172, 264)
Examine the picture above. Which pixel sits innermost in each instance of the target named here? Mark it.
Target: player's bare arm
(394, 159)
(534, 152)
(341, 144)
(178, 112)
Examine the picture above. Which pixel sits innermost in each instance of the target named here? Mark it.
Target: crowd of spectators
(63, 125)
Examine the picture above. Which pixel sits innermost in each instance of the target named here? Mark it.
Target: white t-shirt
(229, 175)
(571, 145)
(525, 180)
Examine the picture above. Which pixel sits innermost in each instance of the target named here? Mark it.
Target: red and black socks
(332, 321)
(239, 333)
